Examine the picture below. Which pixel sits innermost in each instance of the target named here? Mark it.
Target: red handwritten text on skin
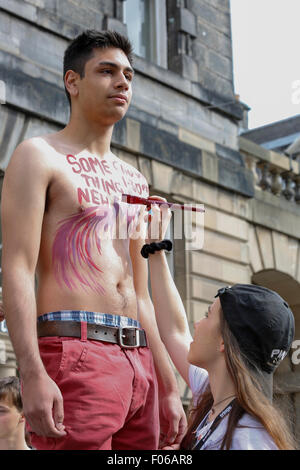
(102, 178)
(88, 164)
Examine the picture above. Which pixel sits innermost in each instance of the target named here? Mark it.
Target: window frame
(158, 32)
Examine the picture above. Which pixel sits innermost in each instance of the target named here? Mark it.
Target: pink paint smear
(77, 237)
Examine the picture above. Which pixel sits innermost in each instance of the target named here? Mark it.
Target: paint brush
(148, 202)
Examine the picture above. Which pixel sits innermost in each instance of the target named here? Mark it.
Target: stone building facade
(182, 132)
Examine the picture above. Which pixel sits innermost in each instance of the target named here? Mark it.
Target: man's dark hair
(10, 388)
(81, 49)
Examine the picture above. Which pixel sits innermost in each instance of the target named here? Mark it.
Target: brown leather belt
(126, 337)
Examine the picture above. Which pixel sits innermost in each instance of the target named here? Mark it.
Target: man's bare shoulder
(35, 146)
(34, 154)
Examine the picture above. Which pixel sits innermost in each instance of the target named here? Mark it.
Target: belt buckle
(121, 336)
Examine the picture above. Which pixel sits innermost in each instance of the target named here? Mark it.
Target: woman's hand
(158, 220)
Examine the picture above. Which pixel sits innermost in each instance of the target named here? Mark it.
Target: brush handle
(148, 202)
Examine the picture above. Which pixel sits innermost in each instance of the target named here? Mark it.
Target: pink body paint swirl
(77, 237)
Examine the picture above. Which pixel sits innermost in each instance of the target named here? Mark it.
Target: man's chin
(117, 116)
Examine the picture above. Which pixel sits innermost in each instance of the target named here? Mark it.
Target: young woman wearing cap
(227, 361)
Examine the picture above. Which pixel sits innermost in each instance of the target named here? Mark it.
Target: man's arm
(173, 419)
(23, 203)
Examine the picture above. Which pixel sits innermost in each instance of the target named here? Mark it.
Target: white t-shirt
(252, 437)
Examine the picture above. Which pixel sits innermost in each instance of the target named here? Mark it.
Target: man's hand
(173, 422)
(43, 406)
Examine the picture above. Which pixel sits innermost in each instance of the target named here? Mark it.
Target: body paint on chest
(78, 237)
(78, 240)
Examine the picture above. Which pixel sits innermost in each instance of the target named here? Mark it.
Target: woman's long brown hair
(250, 398)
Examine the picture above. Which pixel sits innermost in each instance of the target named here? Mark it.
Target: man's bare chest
(86, 222)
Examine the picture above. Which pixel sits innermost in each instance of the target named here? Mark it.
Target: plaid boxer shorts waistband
(106, 319)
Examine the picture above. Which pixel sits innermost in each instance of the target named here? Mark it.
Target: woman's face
(207, 346)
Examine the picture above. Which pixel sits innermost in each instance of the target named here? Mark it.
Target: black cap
(261, 321)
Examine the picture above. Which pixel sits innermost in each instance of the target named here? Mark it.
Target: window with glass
(147, 29)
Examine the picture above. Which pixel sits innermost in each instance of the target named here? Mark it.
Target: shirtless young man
(80, 392)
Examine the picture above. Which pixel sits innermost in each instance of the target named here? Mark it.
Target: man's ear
(71, 79)
(22, 418)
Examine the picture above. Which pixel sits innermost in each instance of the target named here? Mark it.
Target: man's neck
(89, 136)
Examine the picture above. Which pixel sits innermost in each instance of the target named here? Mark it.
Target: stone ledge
(164, 147)
(230, 154)
(236, 178)
(281, 203)
(196, 140)
(265, 212)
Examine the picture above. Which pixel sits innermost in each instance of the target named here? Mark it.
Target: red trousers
(110, 395)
